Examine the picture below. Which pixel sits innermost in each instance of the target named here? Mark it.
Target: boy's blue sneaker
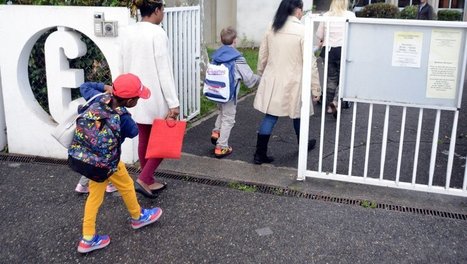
(148, 216)
(97, 242)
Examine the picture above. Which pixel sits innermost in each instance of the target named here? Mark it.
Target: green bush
(380, 10)
(409, 12)
(449, 15)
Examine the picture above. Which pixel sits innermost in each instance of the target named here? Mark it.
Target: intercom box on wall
(104, 28)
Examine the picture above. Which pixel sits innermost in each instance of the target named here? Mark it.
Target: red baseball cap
(129, 85)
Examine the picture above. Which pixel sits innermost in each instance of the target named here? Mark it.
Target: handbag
(166, 139)
(65, 131)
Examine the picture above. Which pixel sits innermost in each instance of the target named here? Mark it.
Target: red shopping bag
(166, 139)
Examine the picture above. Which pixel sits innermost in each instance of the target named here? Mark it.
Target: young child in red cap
(95, 153)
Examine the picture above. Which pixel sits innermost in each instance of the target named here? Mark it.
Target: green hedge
(380, 10)
(409, 12)
(449, 15)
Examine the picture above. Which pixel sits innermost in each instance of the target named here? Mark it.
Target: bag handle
(170, 121)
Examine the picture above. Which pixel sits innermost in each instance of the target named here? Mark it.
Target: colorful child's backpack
(95, 149)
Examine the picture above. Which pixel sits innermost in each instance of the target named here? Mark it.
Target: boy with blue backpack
(95, 151)
(222, 84)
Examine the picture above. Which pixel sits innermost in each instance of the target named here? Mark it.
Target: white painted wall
(253, 17)
(2, 117)
(28, 125)
(225, 16)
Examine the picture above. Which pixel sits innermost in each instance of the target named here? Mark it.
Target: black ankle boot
(311, 143)
(262, 149)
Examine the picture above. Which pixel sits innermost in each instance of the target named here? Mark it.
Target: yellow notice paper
(407, 49)
(443, 64)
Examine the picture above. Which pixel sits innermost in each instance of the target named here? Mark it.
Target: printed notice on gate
(443, 64)
(407, 50)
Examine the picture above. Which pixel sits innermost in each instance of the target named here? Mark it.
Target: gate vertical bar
(417, 146)
(194, 61)
(190, 54)
(464, 186)
(176, 55)
(434, 147)
(352, 138)
(306, 97)
(401, 144)
(169, 30)
(323, 100)
(368, 140)
(384, 143)
(185, 61)
(452, 149)
(198, 59)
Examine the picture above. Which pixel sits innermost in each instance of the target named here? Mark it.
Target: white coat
(145, 53)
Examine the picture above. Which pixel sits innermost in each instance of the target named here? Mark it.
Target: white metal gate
(183, 26)
(386, 141)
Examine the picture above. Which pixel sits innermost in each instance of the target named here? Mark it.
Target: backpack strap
(231, 66)
(83, 107)
(92, 98)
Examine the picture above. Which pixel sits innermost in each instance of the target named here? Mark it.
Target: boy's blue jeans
(269, 121)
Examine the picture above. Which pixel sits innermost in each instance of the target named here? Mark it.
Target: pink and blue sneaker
(97, 242)
(148, 216)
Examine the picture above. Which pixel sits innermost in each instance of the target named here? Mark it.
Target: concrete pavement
(202, 223)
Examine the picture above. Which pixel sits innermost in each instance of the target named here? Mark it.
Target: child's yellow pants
(125, 186)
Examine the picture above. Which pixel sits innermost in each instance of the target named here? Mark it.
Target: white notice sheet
(407, 49)
(443, 63)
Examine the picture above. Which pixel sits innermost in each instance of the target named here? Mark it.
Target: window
(404, 3)
(361, 3)
(451, 4)
(358, 5)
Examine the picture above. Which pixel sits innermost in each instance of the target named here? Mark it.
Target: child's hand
(108, 89)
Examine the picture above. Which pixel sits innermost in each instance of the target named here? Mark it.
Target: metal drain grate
(257, 188)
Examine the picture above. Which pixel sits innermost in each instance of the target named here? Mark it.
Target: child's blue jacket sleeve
(89, 89)
(128, 127)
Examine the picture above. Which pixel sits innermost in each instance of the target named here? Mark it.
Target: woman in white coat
(280, 64)
(145, 53)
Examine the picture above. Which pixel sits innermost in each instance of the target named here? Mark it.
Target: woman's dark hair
(286, 8)
(147, 7)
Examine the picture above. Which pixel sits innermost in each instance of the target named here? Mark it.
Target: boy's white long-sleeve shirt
(145, 52)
